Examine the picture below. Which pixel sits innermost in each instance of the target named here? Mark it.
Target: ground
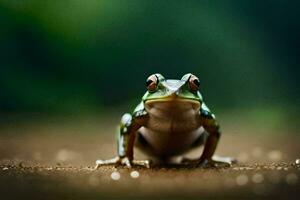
(55, 160)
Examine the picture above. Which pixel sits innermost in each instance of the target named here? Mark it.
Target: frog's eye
(194, 83)
(152, 82)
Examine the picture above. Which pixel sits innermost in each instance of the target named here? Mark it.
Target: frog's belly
(164, 144)
(172, 127)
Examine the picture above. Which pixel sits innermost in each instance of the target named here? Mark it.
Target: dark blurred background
(93, 56)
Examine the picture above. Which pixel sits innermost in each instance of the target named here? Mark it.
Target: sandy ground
(55, 161)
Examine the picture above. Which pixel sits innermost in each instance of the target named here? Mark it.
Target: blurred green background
(93, 56)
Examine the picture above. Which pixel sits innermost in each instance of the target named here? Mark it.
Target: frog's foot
(122, 161)
(142, 163)
(216, 161)
(113, 161)
(221, 159)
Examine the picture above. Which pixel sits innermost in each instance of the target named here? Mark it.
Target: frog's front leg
(128, 128)
(210, 124)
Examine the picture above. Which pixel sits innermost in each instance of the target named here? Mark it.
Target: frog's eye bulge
(152, 82)
(194, 83)
(186, 77)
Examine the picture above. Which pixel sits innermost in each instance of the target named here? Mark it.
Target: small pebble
(291, 179)
(115, 176)
(257, 178)
(5, 168)
(242, 180)
(272, 167)
(248, 168)
(297, 161)
(279, 168)
(134, 174)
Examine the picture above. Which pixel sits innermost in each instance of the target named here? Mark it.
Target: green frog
(171, 119)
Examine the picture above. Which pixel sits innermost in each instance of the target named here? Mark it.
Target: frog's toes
(113, 161)
(142, 163)
(107, 162)
(117, 161)
(221, 159)
(211, 163)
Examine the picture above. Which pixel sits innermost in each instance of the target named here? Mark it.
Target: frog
(171, 119)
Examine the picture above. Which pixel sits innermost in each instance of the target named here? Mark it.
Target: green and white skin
(171, 119)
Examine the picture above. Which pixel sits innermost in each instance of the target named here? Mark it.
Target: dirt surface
(51, 161)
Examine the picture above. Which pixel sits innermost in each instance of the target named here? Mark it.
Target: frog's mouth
(173, 102)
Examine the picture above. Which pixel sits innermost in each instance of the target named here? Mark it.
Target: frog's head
(185, 90)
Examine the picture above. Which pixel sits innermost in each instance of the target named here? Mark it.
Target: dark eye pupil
(148, 82)
(196, 82)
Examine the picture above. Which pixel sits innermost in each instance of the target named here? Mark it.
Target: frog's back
(173, 126)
